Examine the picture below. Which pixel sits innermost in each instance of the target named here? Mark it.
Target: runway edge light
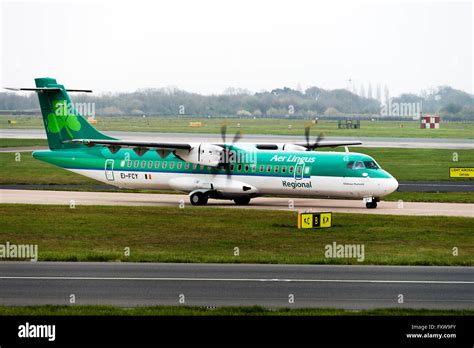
(314, 220)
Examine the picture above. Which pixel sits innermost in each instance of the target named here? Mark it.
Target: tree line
(282, 102)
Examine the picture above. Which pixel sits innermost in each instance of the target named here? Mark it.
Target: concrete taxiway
(274, 203)
(138, 284)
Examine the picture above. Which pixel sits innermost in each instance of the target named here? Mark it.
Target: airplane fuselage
(312, 173)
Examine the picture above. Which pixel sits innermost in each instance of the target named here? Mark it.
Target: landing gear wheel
(371, 205)
(242, 200)
(198, 198)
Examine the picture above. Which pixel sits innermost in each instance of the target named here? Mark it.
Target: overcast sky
(205, 45)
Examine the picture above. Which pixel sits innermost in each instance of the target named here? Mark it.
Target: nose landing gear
(371, 205)
(371, 202)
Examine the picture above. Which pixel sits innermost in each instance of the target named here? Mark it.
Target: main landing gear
(242, 200)
(199, 198)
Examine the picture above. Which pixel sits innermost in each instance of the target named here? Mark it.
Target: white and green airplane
(225, 170)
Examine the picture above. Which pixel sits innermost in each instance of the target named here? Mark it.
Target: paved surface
(143, 199)
(436, 186)
(429, 143)
(128, 284)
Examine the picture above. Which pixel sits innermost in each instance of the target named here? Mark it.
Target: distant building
(430, 121)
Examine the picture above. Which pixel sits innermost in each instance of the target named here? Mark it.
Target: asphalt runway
(144, 284)
(427, 143)
(300, 204)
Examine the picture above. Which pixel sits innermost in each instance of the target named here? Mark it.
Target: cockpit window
(349, 164)
(359, 165)
(371, 165)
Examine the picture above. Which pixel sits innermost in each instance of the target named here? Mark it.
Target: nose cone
(391, 185)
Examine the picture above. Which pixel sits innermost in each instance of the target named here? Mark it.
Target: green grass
(82, 310)
(197, 234)
(443, 197)
(410, 129)
(27, 170)
(419, 164)
(5, 142)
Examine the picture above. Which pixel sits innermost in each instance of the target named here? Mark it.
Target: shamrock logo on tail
(60, 118)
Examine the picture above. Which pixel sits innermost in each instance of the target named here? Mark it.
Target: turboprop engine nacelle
(293, 147)
(205, 154)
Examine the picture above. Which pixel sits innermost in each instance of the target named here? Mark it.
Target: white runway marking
(246, 280)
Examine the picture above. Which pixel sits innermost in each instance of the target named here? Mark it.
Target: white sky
(207, 45)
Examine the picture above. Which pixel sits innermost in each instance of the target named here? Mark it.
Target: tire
(371, 205)
(198, 198)
(242, 200)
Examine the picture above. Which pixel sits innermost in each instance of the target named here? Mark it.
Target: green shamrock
(60, 118)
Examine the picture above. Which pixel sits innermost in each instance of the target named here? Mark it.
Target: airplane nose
(392, 185)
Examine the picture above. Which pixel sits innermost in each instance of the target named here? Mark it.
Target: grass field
(170, 234)
(410, 129)
(81, 310)
(4, 142)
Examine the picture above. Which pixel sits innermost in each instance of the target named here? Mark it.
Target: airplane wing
(303, 145)
(140, 147)
(332, 144)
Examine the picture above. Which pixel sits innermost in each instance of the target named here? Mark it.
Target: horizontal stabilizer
(47, 89)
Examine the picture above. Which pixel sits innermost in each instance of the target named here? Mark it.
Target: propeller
(309, 146)
(237, 136)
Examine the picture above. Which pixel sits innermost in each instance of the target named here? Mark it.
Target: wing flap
(140, 147)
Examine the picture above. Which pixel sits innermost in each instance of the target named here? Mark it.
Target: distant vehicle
(226, 170)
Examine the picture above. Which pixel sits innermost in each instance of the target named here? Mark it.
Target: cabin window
(283, 169)
(359, 165)
(136, 164)
(186, 166)
(306, 170)
(277, 169)
(164, 164)
(254, 168)
(150, 164)
(269, 169)
(195, 166)
(143, 164)
(298, 170)
(371, 165)
(231, 167)
(261, 169)
(247, 167)
(179, 165)
(291, 170)
(129, 164)
(157, 164)
(171, 165)
(239, 167)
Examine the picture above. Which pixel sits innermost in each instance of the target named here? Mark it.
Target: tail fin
(61, 120)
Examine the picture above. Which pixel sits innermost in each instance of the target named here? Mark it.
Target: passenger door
(109, 169)
(299, 170)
